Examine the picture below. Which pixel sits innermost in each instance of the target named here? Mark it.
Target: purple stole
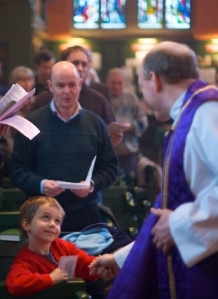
(147, 273)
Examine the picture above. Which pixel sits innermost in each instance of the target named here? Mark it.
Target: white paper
(77, 186)
(89, 175)
(15, 93)
(17, 96)
(71, 186)
(22, 125)
(68, 264)
(17, 106)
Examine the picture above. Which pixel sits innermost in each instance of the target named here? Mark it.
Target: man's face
(44, 69)
(116, 84)
(153, 95)
(65, 86)
(80, 60)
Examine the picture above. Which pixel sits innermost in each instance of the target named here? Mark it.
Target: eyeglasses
(78, 62)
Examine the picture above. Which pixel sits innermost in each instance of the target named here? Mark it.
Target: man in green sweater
(70, 137)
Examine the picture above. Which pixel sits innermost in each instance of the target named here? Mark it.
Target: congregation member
(70, 137)
(43, 62)
(127, 110)
(37, 266)
(89, 99)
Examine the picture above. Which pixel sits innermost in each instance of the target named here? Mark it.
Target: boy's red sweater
(30, 271)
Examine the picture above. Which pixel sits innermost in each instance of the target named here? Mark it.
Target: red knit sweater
(30, 271)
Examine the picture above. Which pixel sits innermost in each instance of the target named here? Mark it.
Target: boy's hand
(104, 266)
(58, 276)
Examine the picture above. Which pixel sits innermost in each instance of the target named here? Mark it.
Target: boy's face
(45, 226)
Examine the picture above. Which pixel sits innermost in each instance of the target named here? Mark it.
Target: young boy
(35, 267)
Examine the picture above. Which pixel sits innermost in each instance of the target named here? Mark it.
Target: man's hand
(50, 189)
(161, 231)
(82, 192)
(116, 138)
(58, 276)
(116, 132)
(104, 266)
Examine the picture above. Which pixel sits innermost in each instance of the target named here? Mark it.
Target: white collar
(54, 110)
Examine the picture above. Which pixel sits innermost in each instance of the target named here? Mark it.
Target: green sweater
(64, 151)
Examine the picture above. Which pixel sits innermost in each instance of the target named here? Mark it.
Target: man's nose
(79, 67)
(66, 89)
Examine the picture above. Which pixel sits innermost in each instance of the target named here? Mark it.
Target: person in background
(175, 254)
(93, 81)
(43, 62)
(24, 76)
(89, 99)
(36, 266)
(92, 74)
(127, 110)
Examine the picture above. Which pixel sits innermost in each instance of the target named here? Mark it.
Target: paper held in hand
(68, 264)
(10, 104)
(76, 186)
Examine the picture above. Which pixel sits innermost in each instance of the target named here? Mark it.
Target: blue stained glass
(150, 14)
(113, 14)
(86, 14)
(177, 14)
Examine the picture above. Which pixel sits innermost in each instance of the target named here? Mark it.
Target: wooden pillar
(204, 19)
(59, 19)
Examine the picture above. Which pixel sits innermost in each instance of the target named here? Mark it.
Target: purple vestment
(147, 273)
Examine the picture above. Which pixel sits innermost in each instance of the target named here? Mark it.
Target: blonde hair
(30, 207)
(21, 73)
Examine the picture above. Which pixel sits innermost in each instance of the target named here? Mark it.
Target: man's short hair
(43, 56)
(115, 71)
(171, 65)
(66, 52)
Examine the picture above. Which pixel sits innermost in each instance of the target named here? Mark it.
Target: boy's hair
(30, 207)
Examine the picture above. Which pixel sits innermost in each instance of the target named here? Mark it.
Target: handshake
(104, 266)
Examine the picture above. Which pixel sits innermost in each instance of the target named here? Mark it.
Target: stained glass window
(113, 14)
(150, 13)
(86, 14)
(177, 14)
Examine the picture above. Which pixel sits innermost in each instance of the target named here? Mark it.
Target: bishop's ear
(156, 81)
